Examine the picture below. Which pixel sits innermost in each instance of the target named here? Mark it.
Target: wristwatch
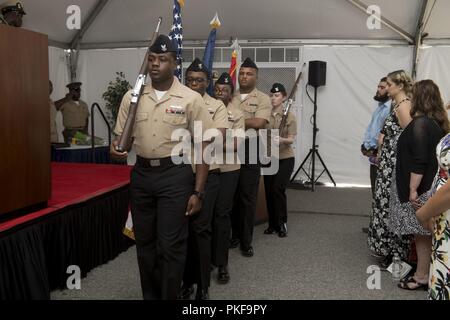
(200, 195)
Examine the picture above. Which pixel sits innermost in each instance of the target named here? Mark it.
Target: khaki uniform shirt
(217, 110)
(286, 150)
(219, 116)
(255, 105)
(156, 119)
(53, 130)
(75, 115)
(236, 122)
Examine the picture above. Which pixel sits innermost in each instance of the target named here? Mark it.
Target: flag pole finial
(215, 22)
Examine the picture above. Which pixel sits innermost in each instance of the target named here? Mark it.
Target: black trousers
(222, 217)
(244, 209)
(198, 263)
(159, 198)
(275, 187)
(373, 178)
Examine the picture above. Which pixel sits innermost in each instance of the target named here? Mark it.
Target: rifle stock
(289, 102)
(125, 141)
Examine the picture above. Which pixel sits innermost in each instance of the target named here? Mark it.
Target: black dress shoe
(247, 252)
(234, 243)
(283, 232)
(186, 292)
(269, 230)
(223, 277)
(202, 294)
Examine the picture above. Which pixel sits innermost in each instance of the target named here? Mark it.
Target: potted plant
(113, 96)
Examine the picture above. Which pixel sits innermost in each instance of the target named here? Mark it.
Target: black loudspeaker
(317, 75)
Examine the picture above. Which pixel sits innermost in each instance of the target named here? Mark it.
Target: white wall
(434, 64)
(345, 104)
(97, 68)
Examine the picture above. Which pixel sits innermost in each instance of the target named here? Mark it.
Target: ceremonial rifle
(289, 102)
(125, 140)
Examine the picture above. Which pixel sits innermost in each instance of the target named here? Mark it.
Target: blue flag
(208, 57)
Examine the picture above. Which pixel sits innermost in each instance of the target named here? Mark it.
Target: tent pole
(76, 41)
(419, 35)
(57, 44)
(95, 12)
(363, 7)
(283, 43)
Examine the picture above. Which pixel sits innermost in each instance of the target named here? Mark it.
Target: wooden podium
(25, 120)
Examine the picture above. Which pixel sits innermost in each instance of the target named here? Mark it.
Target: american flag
(176, 35)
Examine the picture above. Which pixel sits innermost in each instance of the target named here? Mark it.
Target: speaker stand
(313, 152)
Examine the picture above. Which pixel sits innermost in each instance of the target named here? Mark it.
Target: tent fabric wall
(434, 64)
(345, 106)
(97, 68)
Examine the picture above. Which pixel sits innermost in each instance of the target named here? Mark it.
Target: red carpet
(74, 183)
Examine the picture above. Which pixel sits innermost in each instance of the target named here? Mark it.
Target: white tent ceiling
(131, 21)
(128, 24)
(438, 26)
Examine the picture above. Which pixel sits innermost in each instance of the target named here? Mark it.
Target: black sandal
(404, 284)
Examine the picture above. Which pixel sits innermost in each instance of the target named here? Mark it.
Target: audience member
(382, 243)
(416, 167)
(75, 112)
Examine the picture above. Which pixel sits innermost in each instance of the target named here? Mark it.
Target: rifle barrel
(125, 140)
(290, 101)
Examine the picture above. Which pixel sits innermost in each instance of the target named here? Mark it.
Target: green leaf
(113, 95)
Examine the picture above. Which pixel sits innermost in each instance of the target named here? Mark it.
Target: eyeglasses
(198, 80)
(76, 89)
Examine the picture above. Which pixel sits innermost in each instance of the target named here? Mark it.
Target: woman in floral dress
(383, 243)
(435, 216)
